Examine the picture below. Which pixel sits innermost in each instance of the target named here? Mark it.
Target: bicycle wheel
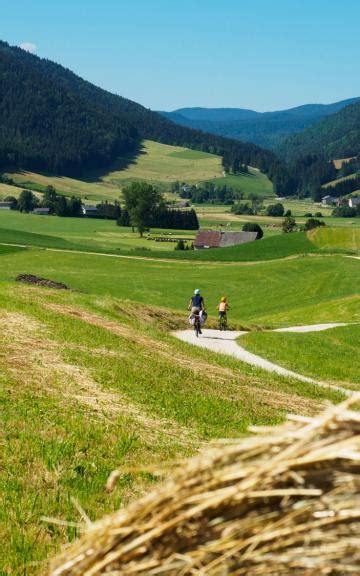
(197, 327)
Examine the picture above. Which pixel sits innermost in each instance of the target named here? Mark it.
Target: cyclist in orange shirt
(223, 307)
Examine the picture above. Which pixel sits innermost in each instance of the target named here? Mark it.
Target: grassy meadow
(159, 164)
(78, 233)
(92, 379)
(331, 356)
(336, 238)
(254, 182)
(301, 290)
(98, 235)
(92, 382)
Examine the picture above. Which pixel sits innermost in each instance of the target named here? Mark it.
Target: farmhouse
(41, 211)
(354, 201)
(89, 210)
(328, 201)
(215, 239)
(5, 205)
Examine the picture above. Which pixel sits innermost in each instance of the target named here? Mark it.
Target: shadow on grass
(91, 176)
(121, 163)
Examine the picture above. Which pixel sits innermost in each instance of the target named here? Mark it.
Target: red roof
(208, 238)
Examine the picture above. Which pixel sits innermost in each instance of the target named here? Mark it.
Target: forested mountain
(337, 136)
(51, 119)
(267, 129)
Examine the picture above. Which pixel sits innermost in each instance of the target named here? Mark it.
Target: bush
(308, 215)
(318, 215)
(287, 213)
(180, 245)
(242, 208)
(253, 227)
(275, 209)
(344, 212)
(313, 223)
(288, 224)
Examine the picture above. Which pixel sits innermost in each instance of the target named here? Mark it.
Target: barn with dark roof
(218, 239)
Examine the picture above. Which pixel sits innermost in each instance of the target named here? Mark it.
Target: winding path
(225, 343)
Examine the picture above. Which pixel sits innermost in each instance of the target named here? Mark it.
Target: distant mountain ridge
(266, 129)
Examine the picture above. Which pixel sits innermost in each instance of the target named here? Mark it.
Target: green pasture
(80, 234)
(336, 238)
(254, 182)
(299, 207)
(303, 290)
(330, 356)
(9, 190)
(159, 164)
(92, 383)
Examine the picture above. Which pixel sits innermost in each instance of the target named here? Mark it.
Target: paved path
(225, 343)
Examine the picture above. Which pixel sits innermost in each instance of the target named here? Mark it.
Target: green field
(336, 238)
(8, 190)
(91, 383)
(78, 234)
(159, 164)
(252, 183)
(330, 356)
(300, 207)
(88, 234)
(93, 380)
(301, 290)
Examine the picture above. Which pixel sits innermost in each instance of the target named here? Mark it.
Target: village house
(89, 210)
(354, 201)
(41, 211)
(215, 239)
(329, 201)
(5, 205)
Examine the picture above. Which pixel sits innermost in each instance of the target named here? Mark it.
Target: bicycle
(222, 322)
(197, 325)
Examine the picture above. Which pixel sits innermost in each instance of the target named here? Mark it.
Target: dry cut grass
(287, 502)
(42, 369)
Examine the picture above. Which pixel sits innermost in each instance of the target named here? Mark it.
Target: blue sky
(166, 54)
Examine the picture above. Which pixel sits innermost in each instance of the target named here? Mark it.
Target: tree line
(208, 192)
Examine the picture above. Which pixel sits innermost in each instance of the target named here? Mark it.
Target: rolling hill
(267, 129)
(158, 163)
(53, 120)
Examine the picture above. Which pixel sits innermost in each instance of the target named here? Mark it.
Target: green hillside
(336, 238)
(336, 136)
(259, 292)
(92, 379)
(106, 386)
(160, 164)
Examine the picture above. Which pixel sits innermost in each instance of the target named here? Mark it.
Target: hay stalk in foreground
(283, 503)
